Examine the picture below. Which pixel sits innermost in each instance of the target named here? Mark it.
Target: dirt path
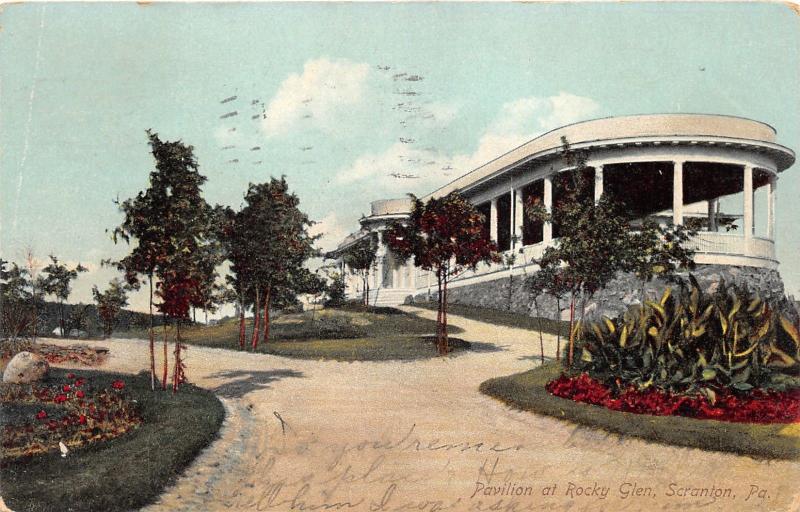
(392, 436)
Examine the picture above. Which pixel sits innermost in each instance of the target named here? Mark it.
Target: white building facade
(723, 170)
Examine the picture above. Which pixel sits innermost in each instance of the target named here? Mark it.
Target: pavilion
(721, 169)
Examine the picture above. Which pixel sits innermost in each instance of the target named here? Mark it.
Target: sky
(352, 102)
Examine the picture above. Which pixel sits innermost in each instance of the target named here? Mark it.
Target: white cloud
(332, 231)
(323, 90)
(401, 167)
(522, 120)
(516, 123)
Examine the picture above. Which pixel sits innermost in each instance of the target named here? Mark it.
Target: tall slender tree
(277, 245)
(58, 282)
(445, 236)
(596, 241)
(173, 228)
(110, 302)
(360, 258)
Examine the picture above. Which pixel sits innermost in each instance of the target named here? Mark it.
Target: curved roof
(390, 206)
(648, 127)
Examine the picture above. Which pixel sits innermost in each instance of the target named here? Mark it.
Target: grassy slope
(526, 391)
(127, 472)
(505, 318)
(376, 334)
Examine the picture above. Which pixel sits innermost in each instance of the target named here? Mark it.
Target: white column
(377, 279)
(712, 214)
(677, 192)
(493, 221)
(519, 215)
(547, 229)
(748, 201)
(771, 193)
(511, 218)
(598, 182)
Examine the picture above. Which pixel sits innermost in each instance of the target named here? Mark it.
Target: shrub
(691, 341)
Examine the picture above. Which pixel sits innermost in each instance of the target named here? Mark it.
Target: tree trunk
(267, 300)
(539, 325)
(558, 329)
(61, 317)
(439, 312)
(152, 336)
(256, 326)
(241, 326)
(166, 360)
(571, 329)
(444, 317)
(242, 335)
(176, 371)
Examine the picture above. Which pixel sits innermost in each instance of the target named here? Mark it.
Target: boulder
(25, 367)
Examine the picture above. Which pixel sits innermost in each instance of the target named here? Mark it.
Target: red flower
(759, 406)
(80, 381)
(82, 419)
(41, 415)
(80, 394)
(66, 388)
(60, 398)
(70, 375)
(118, 384)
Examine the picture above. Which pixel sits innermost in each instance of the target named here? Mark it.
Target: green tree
(446, 236)
(596, 240)
(58, 283)
(110, 303)
(173, 228)
(661, 251)
(277, 245)
(360, 258)
(548, 280)
(237, 249)
(593, 242)
(16, 312)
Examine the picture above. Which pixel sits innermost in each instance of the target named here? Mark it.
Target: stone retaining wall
(509, 294)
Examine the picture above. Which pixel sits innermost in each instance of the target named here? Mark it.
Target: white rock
(25, 367)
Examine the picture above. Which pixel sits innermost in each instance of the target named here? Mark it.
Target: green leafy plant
(691, 341)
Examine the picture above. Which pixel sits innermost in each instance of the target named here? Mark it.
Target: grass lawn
(506, 318)
(124, 473)
(526, 391)
(342, 334)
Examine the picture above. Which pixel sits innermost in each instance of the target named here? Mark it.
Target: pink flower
(41, 415)
(118, 384)
(65, 388)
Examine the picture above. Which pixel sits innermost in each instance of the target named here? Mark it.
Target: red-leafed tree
(445, 236)
(177, 291)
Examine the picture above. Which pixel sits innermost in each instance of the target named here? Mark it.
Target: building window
(564, 183)
(532, 232)
(504, 222)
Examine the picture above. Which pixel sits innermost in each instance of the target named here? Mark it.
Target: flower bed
(75, 354)
(757, 406)
(68, 410)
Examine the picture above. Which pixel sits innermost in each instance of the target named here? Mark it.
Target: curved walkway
(392, 436)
